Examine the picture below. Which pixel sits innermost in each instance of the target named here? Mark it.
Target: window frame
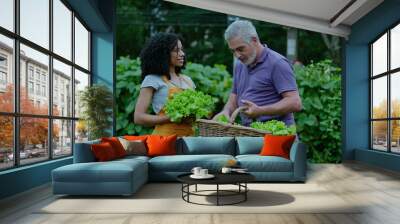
(388, 74)
(16, 114)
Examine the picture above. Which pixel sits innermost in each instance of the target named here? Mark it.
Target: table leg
(188, 190)
(196, 188)
(182, 189)
(217, 194)
(245, 193)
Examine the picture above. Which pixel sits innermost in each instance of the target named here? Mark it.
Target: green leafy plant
(319, 123)
(222, 118)
(275, 127)
(189, 104)
(96, 101)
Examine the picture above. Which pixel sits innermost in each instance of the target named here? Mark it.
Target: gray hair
(241, 28)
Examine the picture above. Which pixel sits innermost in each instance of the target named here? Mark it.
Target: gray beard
(251, 59)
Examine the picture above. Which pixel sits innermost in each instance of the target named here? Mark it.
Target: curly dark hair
(155, 56)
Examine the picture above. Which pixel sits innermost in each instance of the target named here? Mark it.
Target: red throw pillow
(276, 145)
(103, 151)
(134, 137)
(116, 145)
(161, 145)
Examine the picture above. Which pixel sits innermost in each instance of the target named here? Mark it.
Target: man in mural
(264, 86)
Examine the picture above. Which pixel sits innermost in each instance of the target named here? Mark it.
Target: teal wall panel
(24, 178)
(380, 159)
(356, 93)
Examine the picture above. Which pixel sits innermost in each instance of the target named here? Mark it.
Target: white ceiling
(323, 16)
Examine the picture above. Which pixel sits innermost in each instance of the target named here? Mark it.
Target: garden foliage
(319, 123)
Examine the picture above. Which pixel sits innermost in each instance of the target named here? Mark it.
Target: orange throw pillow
(116, 145)
(161, 145)
(103, 151)
(276, 145)
(135, 138)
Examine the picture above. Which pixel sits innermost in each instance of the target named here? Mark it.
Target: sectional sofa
(125, 176)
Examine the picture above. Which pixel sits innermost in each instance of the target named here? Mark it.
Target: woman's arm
(141, 117)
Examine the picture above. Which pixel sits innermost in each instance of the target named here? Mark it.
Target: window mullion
(16, 85)
(73, 82)
(389, 108)
(371, 89)
(50, 81)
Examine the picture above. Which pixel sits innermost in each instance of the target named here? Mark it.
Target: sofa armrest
(298, 155)
(83, 152)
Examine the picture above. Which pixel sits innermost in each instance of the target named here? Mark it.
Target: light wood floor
(378, 188)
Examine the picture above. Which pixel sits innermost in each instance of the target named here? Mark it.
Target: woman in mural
(162, 60)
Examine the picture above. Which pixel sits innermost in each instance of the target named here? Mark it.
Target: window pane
(33, 139)
(62, 138)
(81, 45)
(81, 81)
(395, 47)
(6, 74)
(62, 29)
(7, 14)
(379, 97)
(379, 135)
(6, 142)
(379, 55)
(62, 89)
(81, 131)
(35, 21)
(33, 100)
(395, 94)
(395, 136)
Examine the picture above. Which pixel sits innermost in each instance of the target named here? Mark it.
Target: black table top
(220, 178)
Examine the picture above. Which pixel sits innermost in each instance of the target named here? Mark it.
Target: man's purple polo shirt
(263, 83)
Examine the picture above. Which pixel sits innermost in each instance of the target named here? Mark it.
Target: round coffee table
(238, 179)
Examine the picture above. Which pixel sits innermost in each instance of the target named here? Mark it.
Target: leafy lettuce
(189, 104)
(275, 127)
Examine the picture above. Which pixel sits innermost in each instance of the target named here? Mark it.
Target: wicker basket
(215, 128)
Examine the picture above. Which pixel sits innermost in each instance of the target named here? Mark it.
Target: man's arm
(289, 103)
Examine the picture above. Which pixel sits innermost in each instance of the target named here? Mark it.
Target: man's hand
(251, 109)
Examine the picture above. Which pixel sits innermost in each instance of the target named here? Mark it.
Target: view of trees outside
(33, 131)
(380, 129)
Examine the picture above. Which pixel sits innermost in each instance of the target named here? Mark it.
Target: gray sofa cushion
(257, 163)
(206, 145)
(83, 152)
(249, 145)
(99, 171)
